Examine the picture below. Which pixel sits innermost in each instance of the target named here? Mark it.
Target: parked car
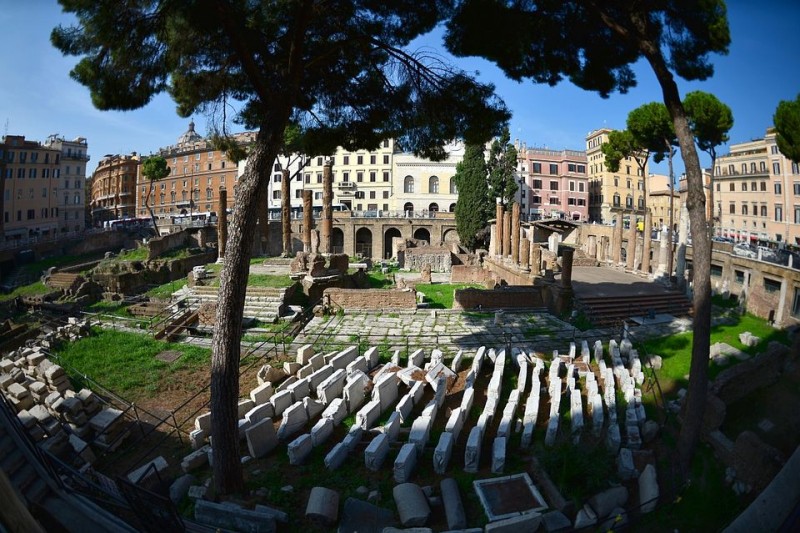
(745, 250)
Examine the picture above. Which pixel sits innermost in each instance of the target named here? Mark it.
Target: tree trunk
(149, 208)
(230, 309)
(701, 324)
(286, 213)
(710, 209)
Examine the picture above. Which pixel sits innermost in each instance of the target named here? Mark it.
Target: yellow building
(31, 183)
(422, 186)
(757, 193)
(612, 190)
(658, 195)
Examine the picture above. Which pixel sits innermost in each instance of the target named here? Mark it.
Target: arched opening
(408, 207)
(451, 236)
(453, 186)
(408, 184)
(364, 242)
(422, 234)
(390, 234)
(337, 241)
(452, 208)
(434, 207)
(433, 185)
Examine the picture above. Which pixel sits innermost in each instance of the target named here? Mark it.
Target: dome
(190, 135)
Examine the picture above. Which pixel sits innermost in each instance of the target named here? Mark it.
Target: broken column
(631, 256)
(308, 220)
(286, 213)
(616, 244)
(524, 253)
(498, 251)
(646, 241)
(591, 246)
(536, 259)
(327, 211)
(222, 223)
(515, 233)
(567, 256)
(506, 234)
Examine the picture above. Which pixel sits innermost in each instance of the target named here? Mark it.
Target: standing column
(327, 213)
(222, 223)
(506, 234)
(498, 251)
(646, 241)
(616, 243)
(515, 233)
(286, 213)
(631, 258)
(591, 246)
(524, 252)
(308, 220)
(567, 255)
(536, 259)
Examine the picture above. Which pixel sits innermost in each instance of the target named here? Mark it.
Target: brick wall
(369, 299)
(505, 298)
(511, 275)
(469, 274)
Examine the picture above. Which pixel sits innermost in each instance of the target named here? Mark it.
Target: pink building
(553, 184)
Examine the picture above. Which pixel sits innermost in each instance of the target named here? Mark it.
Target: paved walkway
(604, 281)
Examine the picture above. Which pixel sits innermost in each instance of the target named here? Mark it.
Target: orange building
(112, 188)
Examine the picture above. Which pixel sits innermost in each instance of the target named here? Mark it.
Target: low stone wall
(437, 256)
(470, 274)
(511, 275)
(189, 237)
(368, 299)
(748, 376)
(502, 298)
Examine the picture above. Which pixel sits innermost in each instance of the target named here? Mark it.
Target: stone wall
(502, 298)
(739, 381)
(188, 237)
(511, 275)
(347, 299)
(470, 274)
(439, 257)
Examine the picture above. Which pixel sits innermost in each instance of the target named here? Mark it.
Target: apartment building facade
(113, 188)
(72, 196)
(197, 171)
(757, 194)
(30, 186)
(612, 190)
(422, 186)
(553, 184)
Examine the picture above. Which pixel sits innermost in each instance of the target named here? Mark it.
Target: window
(359, 177)
(209, 194)
(276, 178)
(553, 185)
(319, 177)
(744, 209)
(276, 167)
(581, 187)
(796, 215)
(629, 201)
(553, 169)
(572, 186)
(346, 160)
(536, 200)
(372, 159)
(345, 177)
(739, 276)
(796, 189)
(776, 168)
(373, 176)
(276, 195)
(386, 159)
(537, 184)
(536, 168)
(778, 213)
(772, 285)
(774, 149)
(360, 160)
(385, 196)
(308, 178)
(628, 184)
(732, 209)
(371, 195)
(616, 181)
(319, 161)
(453, 186)
(763, 186)
(554, 201)
(408, 184)
(763, 211)
(616, 199)
(744, 186)
(386, 143)
(777, 188)
(317, 196)
(31, 214)
(386, 176)
(571, 167)
(298, 193)
(795, 302)
(433, 185)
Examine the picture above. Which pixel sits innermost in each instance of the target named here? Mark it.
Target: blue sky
(38, 98)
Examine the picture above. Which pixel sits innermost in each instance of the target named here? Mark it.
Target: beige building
(31, 183)
(422, 186)
(113, 188)
(757, 193)
(612, 190)
(658, 195)
(72, 196)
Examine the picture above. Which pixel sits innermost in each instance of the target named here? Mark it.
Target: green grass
(34, 288)
(676, 350)
(139, 254)
(109, 308)
(377, 280)
(440, 295)
(126, 362)
(164, 292)
(719, 301)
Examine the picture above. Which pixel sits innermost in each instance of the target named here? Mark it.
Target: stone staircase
(265, 304)
(610, 310)
(64, 280)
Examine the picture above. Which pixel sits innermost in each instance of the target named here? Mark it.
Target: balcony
(346, 185)
(75, 157)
